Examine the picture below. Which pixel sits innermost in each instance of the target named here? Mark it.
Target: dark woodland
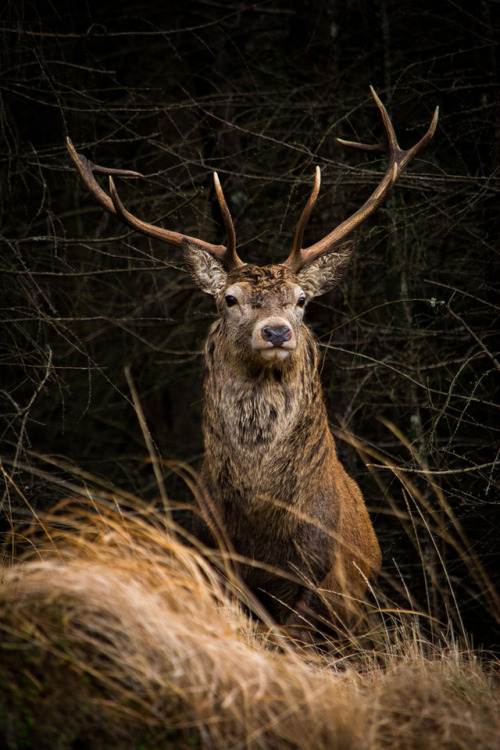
(102, 329)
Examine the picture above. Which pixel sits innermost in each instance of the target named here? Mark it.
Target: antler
(304, 218)
(398, 161)
(112, 203)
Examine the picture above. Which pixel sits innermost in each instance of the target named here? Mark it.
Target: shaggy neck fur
(265, 427)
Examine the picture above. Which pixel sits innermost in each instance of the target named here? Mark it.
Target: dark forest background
(259, 92)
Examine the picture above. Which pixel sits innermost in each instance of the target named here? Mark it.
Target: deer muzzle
(274, 338)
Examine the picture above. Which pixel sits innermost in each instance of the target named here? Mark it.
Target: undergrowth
(115, 632)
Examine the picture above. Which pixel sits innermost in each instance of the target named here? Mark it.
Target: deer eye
(230, 300)
(301, 301)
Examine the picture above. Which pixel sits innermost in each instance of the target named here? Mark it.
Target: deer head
(262, 307)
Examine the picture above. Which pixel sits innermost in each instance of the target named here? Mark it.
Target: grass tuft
(116, 634)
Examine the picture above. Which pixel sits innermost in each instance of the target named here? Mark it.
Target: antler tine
(232, 256)
(398, 161)
(397, 154)
(304, 218)
(86, 169)
(114, 206)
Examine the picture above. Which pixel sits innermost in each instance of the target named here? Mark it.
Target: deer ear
(205, 270)
(326, 271)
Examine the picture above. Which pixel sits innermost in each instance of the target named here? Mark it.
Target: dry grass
(116, 634)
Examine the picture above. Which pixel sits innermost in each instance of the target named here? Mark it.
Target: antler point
(115, 197)
(435, 118)
(376, 96)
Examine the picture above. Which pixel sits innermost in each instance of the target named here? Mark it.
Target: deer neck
(253, 411)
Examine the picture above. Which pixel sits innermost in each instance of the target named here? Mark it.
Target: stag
(272, 490)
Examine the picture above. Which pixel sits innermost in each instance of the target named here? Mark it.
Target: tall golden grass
(117, 634)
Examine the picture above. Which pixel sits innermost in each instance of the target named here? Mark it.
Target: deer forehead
(258, 298)
(266, 286)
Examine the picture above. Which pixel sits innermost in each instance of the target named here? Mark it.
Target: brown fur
(272, 488)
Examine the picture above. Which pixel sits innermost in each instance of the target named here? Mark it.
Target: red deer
(272, 489)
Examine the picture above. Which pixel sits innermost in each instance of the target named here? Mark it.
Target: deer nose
(276, 336)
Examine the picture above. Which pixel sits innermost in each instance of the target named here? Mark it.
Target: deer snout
(276, 335)
(273, 338)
